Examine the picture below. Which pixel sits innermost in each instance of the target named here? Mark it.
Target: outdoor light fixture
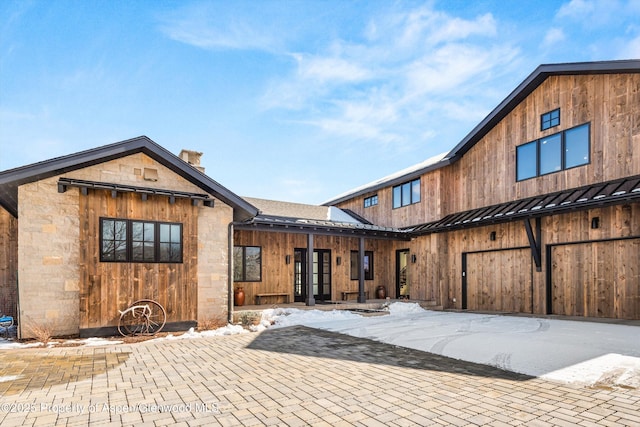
(413, 258)
(338, 260)
(595, 222)
(492, 236)
(287, 259)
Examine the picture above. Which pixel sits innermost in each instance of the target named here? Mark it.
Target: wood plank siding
(8, 264)
(486, 175)
(588, 271)
(106, 287)
(278, 276)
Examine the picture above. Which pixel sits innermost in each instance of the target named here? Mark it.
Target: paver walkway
(290, 376)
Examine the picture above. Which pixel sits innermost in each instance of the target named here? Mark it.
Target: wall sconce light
(492, 236)
(413, 258)
(287, 259)
(595, 222)
(338, 260)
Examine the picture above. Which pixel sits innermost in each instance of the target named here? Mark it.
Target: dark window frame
(355, 273)
(563, 157)
(129, 255)
(243, 271)
(550, 119)
(404, 194)
(371, 201)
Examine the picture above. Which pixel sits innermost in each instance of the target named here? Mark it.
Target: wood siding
(500, 281)
(108, 287)
(486, 174)
(597, 279)
(277, 275)
(8, 264)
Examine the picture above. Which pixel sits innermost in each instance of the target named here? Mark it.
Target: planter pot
(238, 297)
(381, 292)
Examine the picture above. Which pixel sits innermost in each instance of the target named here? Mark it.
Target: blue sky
(289, 100)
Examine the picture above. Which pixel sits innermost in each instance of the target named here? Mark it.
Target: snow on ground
(561, 350)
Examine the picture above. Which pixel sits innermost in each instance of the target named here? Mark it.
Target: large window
(368, 265)
(553, 153)
(124, 240)
(406, 194)
(247, 263)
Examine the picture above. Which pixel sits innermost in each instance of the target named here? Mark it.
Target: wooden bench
(345, 294)
(260, 296)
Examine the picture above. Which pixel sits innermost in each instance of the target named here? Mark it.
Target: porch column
(310, 299)
(361, 297)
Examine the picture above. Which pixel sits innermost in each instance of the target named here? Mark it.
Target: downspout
(230, 275)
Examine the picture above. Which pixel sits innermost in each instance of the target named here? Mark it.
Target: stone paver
(287, 377)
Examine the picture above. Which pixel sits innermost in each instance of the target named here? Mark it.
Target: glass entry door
(321, 275)
(402, 274)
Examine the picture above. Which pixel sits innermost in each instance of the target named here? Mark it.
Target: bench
(345, 294)
(260, 296)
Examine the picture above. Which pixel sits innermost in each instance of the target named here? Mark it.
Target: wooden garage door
(597, 279)
(500, 280)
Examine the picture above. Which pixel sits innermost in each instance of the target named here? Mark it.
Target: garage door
(597, 279)
(499, 280)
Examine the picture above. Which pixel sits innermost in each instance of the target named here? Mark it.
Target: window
(406, 194)
(123, 240)
(368, 265)
(247, 263)
(370, 201)
(550, 119)
(553, 153)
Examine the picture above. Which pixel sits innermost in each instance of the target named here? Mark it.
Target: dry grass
(42, 332)
(211, 323)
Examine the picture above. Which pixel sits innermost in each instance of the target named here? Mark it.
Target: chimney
(193, 158)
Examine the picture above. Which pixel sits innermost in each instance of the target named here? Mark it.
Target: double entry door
(321, 275)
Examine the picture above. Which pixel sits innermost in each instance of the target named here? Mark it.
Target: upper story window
(550, 119)
(247, 263)
(553, 153)
(370, 201)
(124, 240)
(406, 194)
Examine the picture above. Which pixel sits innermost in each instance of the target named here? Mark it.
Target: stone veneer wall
(48, 250)
(213, 260)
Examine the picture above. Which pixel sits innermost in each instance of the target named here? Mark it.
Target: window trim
(128, 241)
(368, 274)
(401, 188)
(563, 166)
(244, 264)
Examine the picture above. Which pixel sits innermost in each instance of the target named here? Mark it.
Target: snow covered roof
(431, 163)
(300, 218)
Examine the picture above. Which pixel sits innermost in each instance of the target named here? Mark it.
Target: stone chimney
(193, 158)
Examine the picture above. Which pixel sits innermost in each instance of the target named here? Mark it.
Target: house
(536, 210)
(85, 235)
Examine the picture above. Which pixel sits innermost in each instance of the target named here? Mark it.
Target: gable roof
(524, 89)
(301, 218)
(534, 80)
(11, 179)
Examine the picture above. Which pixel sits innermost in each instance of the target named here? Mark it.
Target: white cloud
(209, 26)
(377, 88)
(553, 36)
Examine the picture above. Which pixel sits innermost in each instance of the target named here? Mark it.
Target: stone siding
(48, 252)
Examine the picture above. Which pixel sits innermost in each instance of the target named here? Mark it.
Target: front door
(321, 275)
(402, 274)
